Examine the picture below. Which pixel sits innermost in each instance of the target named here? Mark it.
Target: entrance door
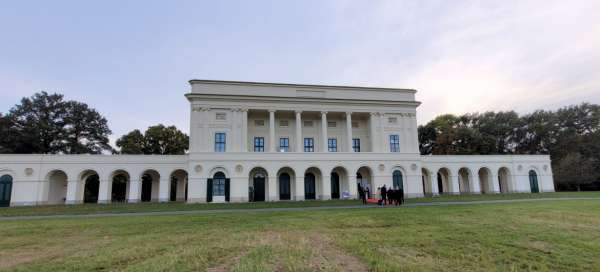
(440, 184)
(309, 186)
(259, 188)
(533, 182)
(284, 187)
(335, 186)
(5, 190)
(146, 189)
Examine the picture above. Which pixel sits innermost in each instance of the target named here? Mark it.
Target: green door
(5, 190)
(533, 182)
(309, 186)
(398, 180)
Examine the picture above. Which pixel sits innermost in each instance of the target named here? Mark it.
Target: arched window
(5, 190)
(533, 182)
(397, 178)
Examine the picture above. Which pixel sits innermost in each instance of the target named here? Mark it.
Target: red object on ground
(372, 200)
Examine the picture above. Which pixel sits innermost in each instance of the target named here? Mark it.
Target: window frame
(332, 145)
(394, 143)
(356, 144)
(309, 144)
(286, 147)
(220, 146)
(261, 144)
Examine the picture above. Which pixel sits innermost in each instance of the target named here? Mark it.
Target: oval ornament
(198, 168)
(29, 171)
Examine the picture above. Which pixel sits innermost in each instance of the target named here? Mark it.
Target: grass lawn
(179, 206)
(560, 235)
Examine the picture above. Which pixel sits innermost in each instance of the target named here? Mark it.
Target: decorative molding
(381, 167)
(414, 167)
(198, 168)
(546, 167)
(520, 167)
(239, 168)
(28, 171)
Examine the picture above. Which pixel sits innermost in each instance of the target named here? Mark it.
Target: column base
(133, 201)
(197, 200)
(73, 202)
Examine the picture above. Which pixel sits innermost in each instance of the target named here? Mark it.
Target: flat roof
(252, 83)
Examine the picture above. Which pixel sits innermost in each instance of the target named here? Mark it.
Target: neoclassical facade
(276, 142)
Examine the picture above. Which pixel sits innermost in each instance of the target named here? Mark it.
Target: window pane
(309, 145)
(220, 142)
(284, 144)
(394, 143)
(332, 145)
(356, 145)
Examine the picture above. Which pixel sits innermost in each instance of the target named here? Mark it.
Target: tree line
(48, 124)
(570, 135)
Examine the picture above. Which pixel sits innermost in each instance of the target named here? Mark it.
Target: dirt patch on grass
(332, 256)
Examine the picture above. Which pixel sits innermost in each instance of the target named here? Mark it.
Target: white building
(270, 142)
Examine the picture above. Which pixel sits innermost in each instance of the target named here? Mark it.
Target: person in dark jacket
(400, 196)
(383, 195)
(390, 196)
(362, 194)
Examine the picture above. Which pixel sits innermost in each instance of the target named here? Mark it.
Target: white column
(324, 132)
(205, 140)
(104, 192)
(455, 189)
(72, 192)
(244, 143)
(353, 187)
(349, 132)
(135, 190)
(235, 140)
(475, 185)
(272, 188)
(325, 188)
(434, 184)
(414, 132)
(299, 140)
(238, 189)
(299, 188)
(373, 132)
(495, 183)
(271, 130)
(163, 189)
(382, 139)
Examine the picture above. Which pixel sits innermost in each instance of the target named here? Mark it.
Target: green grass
(559, 236)
(179, 206)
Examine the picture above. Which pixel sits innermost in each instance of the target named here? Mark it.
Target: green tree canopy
(155, 140)
(47, 124)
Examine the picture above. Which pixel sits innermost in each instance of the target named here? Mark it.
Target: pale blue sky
(131, 60)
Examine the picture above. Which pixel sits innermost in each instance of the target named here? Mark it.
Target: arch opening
(57, 187)
(312, 180)
(178, 185)
(150, 184)
(6, 182)
(364, 180)
(533, 181)
(464, 180)
(443, 181)
(485, 180)
(504, 180)
(257, 184)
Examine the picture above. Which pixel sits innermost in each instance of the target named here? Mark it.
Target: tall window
(259, 144)
(394, 143)
(219, 142)
(332, 145)
(309, 145)
(356, 144)
(397, 180)
(219, 184)
(284, 144)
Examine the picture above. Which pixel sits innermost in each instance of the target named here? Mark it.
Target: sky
(131, 60)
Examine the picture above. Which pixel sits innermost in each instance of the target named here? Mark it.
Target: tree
(47, 124)
(155, 140)
(574, 170)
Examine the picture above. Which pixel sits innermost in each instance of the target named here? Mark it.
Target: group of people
(387, 196)
(391, 196)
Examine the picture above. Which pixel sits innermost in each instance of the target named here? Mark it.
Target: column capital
(298, 111)
(348, 113)
(244, 109)
(323, 112)
(205, 109)
(373, 113)
(271, 110)
(236, 109)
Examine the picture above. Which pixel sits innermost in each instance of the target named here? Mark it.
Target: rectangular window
(356, 144)
(308, 123)
(355, 124)
(259, 144)
(220, 142)
(332, 145)
(394, 143)
(284, 145)
(259, 123)
(331, 124)
(392, 120)
(284, 123)
(309, 145)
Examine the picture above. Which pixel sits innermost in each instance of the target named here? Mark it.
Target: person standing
(383, 195)
(362, 194)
